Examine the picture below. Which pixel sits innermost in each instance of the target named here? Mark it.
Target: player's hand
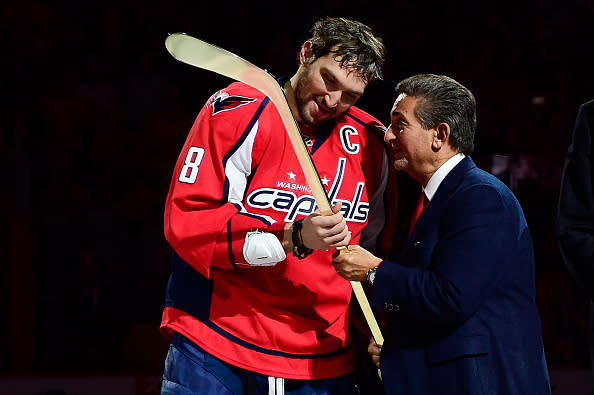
(374, 350)
(322, 232)
(354, 262)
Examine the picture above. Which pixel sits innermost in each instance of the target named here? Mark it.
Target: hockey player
(253, 303)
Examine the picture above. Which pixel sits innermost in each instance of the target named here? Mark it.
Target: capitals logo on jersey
(284, 199)
(222, 101)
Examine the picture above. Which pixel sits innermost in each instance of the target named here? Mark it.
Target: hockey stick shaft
(206, 56)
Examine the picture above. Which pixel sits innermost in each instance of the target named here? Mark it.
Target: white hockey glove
(262, 249)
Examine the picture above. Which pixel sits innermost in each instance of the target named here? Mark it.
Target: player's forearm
(213, 237)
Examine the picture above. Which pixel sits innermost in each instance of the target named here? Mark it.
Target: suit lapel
(408, 191)
(444, 192)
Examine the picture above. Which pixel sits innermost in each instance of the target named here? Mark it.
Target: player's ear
(305, 53)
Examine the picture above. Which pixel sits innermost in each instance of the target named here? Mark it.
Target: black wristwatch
(371, 275)
(299, 249)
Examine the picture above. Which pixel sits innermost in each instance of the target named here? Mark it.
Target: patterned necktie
(418, 211)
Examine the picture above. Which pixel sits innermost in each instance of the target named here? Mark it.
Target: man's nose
(389, 135)
(331, 99)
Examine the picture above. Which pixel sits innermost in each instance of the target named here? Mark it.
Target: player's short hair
(354, 43)
(443, 99)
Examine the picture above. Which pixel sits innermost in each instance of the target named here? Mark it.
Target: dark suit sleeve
(575, 219)
(482, 239)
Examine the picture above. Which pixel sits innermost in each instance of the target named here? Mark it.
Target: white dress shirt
(440, 174)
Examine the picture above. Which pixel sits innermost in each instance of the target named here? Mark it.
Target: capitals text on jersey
(286, 201)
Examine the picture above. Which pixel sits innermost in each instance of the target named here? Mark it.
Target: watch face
(371, 276)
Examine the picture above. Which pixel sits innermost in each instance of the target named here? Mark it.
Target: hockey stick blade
(201, 54)
(206, 56)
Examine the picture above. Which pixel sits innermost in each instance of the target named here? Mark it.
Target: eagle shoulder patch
(222, 101)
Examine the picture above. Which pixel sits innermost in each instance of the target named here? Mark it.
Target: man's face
(410, 144)
(324, 90)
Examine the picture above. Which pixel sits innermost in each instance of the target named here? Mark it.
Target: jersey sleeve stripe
(236, 159)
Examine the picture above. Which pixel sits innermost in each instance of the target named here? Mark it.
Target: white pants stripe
(276, 386)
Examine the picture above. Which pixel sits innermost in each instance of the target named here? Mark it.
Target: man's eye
(350, 98)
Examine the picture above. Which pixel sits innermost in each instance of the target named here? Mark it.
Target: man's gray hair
(443, 99)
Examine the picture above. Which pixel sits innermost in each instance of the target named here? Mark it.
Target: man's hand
(374, 350)
(322, 232)
(354, 262)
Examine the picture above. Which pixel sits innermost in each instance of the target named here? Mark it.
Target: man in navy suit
(460, 293)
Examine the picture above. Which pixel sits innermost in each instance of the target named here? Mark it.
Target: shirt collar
(440, 174)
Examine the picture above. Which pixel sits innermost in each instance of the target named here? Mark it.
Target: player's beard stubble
(307, 102)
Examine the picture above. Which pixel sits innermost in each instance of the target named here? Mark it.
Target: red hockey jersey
(237, 172)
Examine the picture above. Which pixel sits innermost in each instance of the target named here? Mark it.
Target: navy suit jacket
(461, 296)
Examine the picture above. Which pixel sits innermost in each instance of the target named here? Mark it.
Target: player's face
(410, 144)
(324, 90)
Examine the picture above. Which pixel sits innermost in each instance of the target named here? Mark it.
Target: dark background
(95, 112)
